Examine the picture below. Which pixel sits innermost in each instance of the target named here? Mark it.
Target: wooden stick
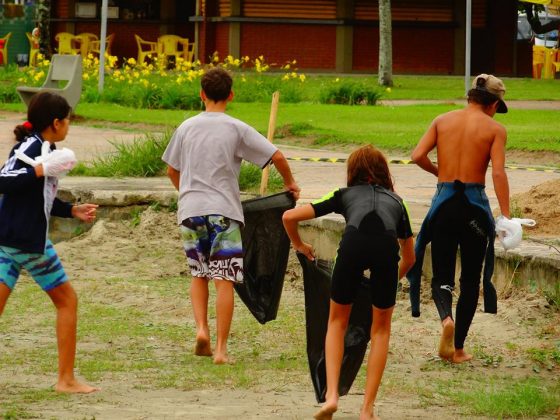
(270, 137)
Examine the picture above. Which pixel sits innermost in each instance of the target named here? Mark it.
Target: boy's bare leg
(224, 314)
(377, 359)
(4, 295)
(339, 316)
(199, 299)
(66, 303)
(446, 344)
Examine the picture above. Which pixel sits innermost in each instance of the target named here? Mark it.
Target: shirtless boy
(466, 141)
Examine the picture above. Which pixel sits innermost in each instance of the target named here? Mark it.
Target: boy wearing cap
(466, 141)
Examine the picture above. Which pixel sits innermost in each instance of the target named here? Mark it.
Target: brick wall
(313, 46)
(61, 9)
(415, 50)
(221, 41)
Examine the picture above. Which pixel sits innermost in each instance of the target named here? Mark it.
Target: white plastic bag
(510, 231)
(59, 162)
(55, 163)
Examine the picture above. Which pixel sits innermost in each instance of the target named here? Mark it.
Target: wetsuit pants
(458, 224)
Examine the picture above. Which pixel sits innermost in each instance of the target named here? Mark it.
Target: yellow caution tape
(409, 162)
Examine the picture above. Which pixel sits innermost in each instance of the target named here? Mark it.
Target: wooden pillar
(167, 11)
(234, 42)
(71, 26)
(344, 36)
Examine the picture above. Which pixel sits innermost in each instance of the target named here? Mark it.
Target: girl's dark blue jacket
(27, 201)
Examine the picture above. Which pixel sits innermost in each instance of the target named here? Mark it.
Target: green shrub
(349, 92)
(142, 158)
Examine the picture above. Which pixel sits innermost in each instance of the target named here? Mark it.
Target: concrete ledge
(532, 265)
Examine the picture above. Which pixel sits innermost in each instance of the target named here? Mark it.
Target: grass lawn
(387, 127)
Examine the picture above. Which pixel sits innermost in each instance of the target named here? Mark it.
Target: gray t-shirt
(208, 149)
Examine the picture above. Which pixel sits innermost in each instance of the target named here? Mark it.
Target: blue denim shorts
(213, 247)
(46, 268)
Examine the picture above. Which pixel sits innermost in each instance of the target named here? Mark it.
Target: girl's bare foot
(459, 356)
(75, 387)
(202, 347)
(446, 346)
(326, 412)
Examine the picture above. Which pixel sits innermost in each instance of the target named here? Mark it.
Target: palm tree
(385, 72)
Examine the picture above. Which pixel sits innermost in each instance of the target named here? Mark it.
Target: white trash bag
(56, 163)
(510, 231)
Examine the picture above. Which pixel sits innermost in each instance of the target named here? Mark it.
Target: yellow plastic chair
(85, 39)
(188, 51)
(556, 65)
(95, 46)
(66, 43)
(4, 48)
(549, 59)
(538, 60)
(173, 46)
(145, 49)
(33, 48)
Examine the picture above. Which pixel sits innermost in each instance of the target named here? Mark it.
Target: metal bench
(64, 77)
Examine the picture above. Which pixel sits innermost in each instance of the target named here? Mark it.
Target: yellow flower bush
(161, 84)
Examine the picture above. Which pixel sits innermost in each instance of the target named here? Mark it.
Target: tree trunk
(43, 16)
(385, 44)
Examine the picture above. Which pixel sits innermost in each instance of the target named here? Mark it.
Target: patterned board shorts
(46, 268)
(213, 247)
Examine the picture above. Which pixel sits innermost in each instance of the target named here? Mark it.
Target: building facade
(322, 35)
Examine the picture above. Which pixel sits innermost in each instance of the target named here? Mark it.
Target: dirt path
(413, 381)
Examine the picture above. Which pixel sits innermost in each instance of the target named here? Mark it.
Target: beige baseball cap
(493, 85)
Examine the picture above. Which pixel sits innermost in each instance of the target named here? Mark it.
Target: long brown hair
(367, 165)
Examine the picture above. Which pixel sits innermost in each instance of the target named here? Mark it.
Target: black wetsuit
(458, 224)
(375, 219)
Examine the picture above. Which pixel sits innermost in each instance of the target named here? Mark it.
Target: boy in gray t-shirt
(204, 158)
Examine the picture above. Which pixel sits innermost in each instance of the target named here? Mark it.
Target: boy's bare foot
(446, 345)
(202, 346)
(326, 412)
(459, 356)
(221, 359)
(75, 387)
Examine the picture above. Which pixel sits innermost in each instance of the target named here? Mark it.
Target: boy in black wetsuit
(460, 217)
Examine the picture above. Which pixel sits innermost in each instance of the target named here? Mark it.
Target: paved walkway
(544, 105)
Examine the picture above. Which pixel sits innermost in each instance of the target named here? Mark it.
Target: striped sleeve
(14, 177)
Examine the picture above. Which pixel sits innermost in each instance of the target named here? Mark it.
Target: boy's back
(207, 150)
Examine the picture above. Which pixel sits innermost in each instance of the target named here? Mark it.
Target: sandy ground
(151, 250)
(113, 249)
